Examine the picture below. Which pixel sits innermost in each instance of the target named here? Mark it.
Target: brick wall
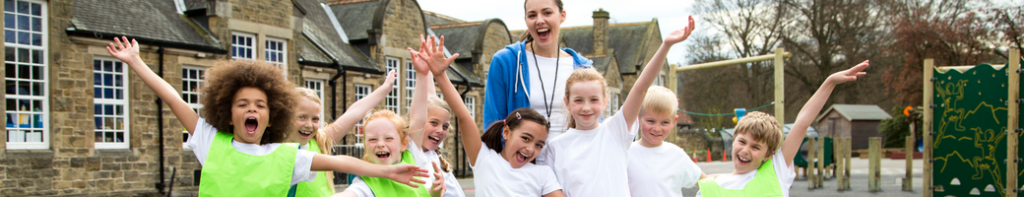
(276, 13)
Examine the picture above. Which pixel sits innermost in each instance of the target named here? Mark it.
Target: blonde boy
(760, 167)
(657, 168)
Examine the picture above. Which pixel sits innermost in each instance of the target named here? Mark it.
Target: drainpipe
(160, 121)
(333, 83)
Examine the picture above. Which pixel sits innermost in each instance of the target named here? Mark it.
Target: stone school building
(80, 123)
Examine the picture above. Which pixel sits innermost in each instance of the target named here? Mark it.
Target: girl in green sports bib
(388, 141)
(310, 136)
(246, 117)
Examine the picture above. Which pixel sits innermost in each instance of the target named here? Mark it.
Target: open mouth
(383, 156)
(250, 125)
(521, 157)
(743, 161)
(543, 34)
(305, 134)
(433, 139)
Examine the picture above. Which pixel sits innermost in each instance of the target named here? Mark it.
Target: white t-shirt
(361, 189)
(537, 93)
(493, 176)
(660, 171)
(451, 184)
(784, 173)
(202, 138)
(592, 162)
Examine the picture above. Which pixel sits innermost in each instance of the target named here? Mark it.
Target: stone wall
(276, 13)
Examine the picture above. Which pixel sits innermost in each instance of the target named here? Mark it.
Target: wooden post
(840, 152)
(1012, 124)
(849, 153)
(929, 88)
(810, 163)
(909, 150)
(874, 164)
(780, 98)
(820, 165)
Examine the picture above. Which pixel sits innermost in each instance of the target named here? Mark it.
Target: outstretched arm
(813, 106)
(358, 110)
(418, 110)
(631, 107)
(128, 52)
(434, 56)
(405, 173)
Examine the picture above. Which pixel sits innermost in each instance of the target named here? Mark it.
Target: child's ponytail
(493, 136)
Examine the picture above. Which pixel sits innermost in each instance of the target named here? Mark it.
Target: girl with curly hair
(246, 119)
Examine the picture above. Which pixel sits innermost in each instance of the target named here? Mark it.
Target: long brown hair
(526, 35)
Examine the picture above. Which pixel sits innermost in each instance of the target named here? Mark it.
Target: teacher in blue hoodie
(532, 72)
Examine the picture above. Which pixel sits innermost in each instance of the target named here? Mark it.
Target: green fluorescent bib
(228, 172)
(318, 187)
(383, 187)
(765, 183)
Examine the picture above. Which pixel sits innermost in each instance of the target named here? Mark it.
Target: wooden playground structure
(968, 111)
(971, 120)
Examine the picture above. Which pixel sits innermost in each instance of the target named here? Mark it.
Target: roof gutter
(149, 41)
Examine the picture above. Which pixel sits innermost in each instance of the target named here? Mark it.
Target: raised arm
(631, 107)
(358, 110)
(434, 56)
(418, 110)
(129, 54)
(813, 106)
(405, 173)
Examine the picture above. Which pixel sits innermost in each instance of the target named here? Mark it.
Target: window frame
(252, 47)
(393, 99)
(282, 50)
(43, 114)
(124, 102)
(197, 106)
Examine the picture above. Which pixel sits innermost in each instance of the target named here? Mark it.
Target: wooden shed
(859, 122)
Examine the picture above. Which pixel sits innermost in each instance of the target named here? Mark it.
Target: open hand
(434, 54)
(407, 174)
(848, 74)
(125, 51)
(418, 62)
(680, 34)
(439, 186)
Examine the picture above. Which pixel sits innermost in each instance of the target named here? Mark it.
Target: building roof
(628, 40)
(462, 37)
(356, 16)
(856, 112)
(320, 34)
(434, 18)
(150, 20)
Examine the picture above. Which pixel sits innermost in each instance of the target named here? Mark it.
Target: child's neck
(587, 128)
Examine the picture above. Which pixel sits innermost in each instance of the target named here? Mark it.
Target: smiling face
(436, 129)
(544, 19)
(307, 121)
(383, 142)
(749, 153)
(655, 127)
(250, 116)
(524, 143)
(586, 101)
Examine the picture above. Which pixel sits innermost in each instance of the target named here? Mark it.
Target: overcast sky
(671, 14)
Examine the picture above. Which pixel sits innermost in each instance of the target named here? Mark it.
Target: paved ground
(892, 173)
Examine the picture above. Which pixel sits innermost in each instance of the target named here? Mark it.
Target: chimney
(600, 32)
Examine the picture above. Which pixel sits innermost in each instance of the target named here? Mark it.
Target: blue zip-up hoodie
(508, 81)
